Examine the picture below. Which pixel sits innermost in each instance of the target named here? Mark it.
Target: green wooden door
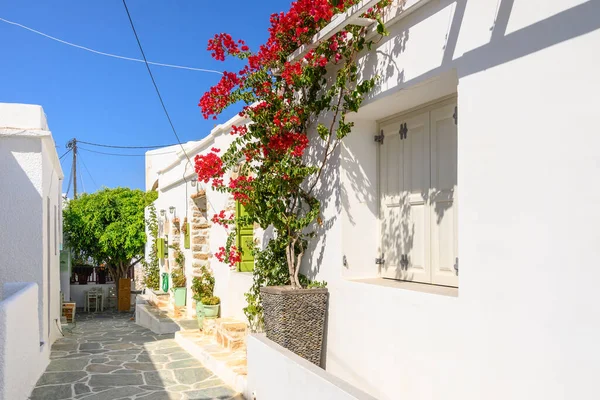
(245, 241)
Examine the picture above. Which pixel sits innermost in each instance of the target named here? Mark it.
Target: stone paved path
(109, 357)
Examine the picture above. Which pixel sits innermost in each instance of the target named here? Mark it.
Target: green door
(245, 241)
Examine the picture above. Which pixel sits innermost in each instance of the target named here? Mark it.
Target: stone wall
(199, 234)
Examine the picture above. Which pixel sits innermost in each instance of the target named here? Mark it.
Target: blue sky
(105, 100)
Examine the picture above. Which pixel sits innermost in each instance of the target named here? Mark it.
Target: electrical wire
(70, 180)
(154, 82)
(108, 54)
(124, 155)
(81, 179)
(67, 152)
(88, 171)
(126, 147)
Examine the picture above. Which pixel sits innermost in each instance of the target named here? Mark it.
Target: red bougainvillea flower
(239, 130)
(220, 254)
(222, 43)
(217, 98)
(234, 256)
(208, 166)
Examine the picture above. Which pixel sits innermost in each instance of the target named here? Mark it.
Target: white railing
(22, 356)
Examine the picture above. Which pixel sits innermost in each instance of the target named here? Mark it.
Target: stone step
(228, 365)
(231, 333)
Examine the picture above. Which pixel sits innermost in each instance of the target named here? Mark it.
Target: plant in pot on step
(178, 276)
(203, 286)
(297, 111)
(211, 306)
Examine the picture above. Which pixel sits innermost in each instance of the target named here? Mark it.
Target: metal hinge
(403, 131)
(379, 261)
(379, 138)
(456, 266)
(404, 261)
(455, 115)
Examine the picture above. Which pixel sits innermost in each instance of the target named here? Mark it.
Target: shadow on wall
(21, 217)
(502, 48)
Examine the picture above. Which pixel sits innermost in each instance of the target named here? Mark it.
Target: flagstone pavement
(108, 357)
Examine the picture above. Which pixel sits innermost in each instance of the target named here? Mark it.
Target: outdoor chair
(94, 297)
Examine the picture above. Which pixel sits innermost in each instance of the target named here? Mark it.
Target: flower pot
(295, 319)
(200, 315)
(180, 294)
(211, 311)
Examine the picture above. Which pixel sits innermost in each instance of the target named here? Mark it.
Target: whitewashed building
(476, 152)
(31, 238)
(170, 173)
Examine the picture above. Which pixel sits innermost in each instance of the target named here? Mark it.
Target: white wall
(526, 321)
(78, 293)
(22, 359)
(30, 174)
(276, 373)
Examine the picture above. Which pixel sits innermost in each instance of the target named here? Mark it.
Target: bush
(211, 300)
(203, 285)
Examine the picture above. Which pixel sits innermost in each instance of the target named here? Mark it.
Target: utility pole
(72, 144)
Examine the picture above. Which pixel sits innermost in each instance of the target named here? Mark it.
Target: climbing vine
(150, 264)
(177, 272)
(297, 108)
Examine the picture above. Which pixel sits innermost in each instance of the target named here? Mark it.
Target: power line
(70, 180)
(154, 82)
(108, 54)
(126, 147)
(124, 155)
(67, 152)
(81, 179)
(88, 171)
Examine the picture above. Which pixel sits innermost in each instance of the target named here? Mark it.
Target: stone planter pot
(295, 319)
(180, 294)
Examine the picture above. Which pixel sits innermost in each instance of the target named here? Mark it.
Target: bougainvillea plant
(296, 110)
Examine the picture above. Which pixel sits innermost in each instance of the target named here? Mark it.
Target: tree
(108, 227)
(298, 119)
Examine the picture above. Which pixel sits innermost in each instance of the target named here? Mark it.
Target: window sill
(414, 286)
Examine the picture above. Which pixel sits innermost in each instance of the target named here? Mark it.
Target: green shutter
(160, 244)
(245, 242)
(186, 237)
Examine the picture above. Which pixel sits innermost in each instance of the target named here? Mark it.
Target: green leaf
(322, 131)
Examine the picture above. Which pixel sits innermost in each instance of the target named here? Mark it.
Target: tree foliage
(108, 227)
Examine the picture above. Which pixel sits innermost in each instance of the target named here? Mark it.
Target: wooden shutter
(404, 174)
(418, 184)
(245, 241)
(444, 229)
(186, 237)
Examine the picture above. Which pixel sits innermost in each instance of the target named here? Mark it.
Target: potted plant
(178, 277)
(287, 147)
(202, 287)
(210, 305)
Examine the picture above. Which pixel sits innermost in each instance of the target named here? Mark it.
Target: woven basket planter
(295, 319)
